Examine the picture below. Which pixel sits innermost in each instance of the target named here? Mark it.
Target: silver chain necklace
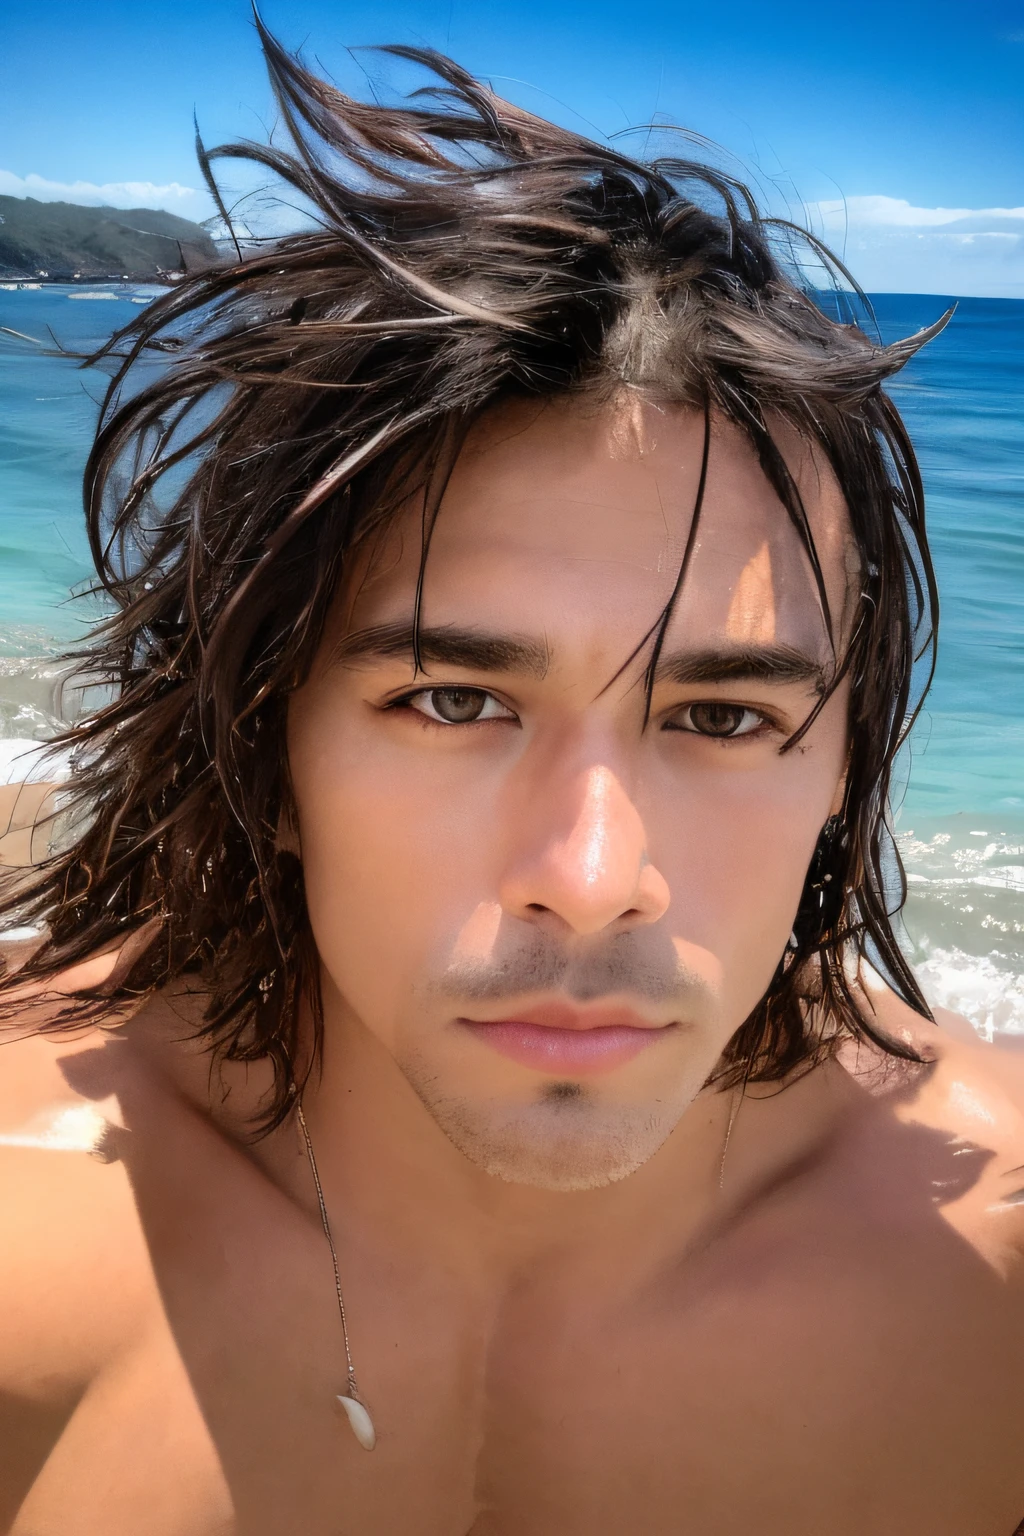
(355, 1409)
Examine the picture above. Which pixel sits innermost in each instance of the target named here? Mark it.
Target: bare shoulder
(92, 1129)
(961, 1059)
(75, 1283)
(74, 1274)
(972, 1093)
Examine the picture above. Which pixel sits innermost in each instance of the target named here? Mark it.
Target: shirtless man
(493, 819)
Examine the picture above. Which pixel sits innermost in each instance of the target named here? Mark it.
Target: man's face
(550, 916)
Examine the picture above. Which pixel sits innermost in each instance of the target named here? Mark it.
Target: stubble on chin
(566, 1140)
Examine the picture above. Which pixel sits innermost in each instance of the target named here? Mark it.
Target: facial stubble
(562, 1134)
(565, 1138)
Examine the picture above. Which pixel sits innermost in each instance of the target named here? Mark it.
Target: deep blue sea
(960, 812)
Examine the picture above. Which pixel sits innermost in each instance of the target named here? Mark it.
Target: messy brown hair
(270, 414)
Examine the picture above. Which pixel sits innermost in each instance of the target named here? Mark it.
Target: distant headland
(66, 243)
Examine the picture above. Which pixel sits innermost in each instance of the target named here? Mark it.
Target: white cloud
(892, 246)
(896, 212)
(187, 201)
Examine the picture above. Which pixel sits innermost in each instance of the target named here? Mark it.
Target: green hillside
(64, 241)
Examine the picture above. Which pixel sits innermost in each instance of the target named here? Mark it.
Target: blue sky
(898, 128)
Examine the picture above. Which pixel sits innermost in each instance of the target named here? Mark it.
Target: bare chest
(711, 1410)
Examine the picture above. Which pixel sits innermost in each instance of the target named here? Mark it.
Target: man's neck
(391, 1176)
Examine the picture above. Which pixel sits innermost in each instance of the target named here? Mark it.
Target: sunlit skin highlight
(751, 615)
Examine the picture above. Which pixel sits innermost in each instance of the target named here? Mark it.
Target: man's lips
(558, 1039)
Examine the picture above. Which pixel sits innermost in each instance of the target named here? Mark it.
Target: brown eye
(712, 717)
(716, 719)
(458, 706)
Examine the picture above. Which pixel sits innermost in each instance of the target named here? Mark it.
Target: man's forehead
(568, 503)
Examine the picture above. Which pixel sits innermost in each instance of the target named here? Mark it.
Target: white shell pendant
(362, 1424)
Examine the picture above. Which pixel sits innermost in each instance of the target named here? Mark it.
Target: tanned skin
(568, 1318)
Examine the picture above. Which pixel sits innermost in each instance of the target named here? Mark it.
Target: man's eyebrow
(745, 663)
(447, 645)
(484, 651)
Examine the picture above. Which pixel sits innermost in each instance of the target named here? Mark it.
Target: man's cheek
(733, 900)
(383, 880)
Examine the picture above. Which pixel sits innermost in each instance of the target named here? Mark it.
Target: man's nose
(590, 870)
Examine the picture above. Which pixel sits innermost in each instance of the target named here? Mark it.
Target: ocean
(960, 799)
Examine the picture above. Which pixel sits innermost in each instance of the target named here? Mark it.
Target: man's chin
(562, 1147)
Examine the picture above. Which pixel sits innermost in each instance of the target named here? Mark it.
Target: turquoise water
(963, 401)
(47, 417)
(961, 822)
(961, 812)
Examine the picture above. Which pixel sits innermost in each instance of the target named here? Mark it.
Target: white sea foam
(979, 987)
(964, 916)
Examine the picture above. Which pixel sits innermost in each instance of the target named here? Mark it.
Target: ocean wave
(964, 915)
(979, 987)
(965, 888)
(39, 695)
(27, 643)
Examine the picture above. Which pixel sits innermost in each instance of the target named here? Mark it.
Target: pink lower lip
(561, 1051)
